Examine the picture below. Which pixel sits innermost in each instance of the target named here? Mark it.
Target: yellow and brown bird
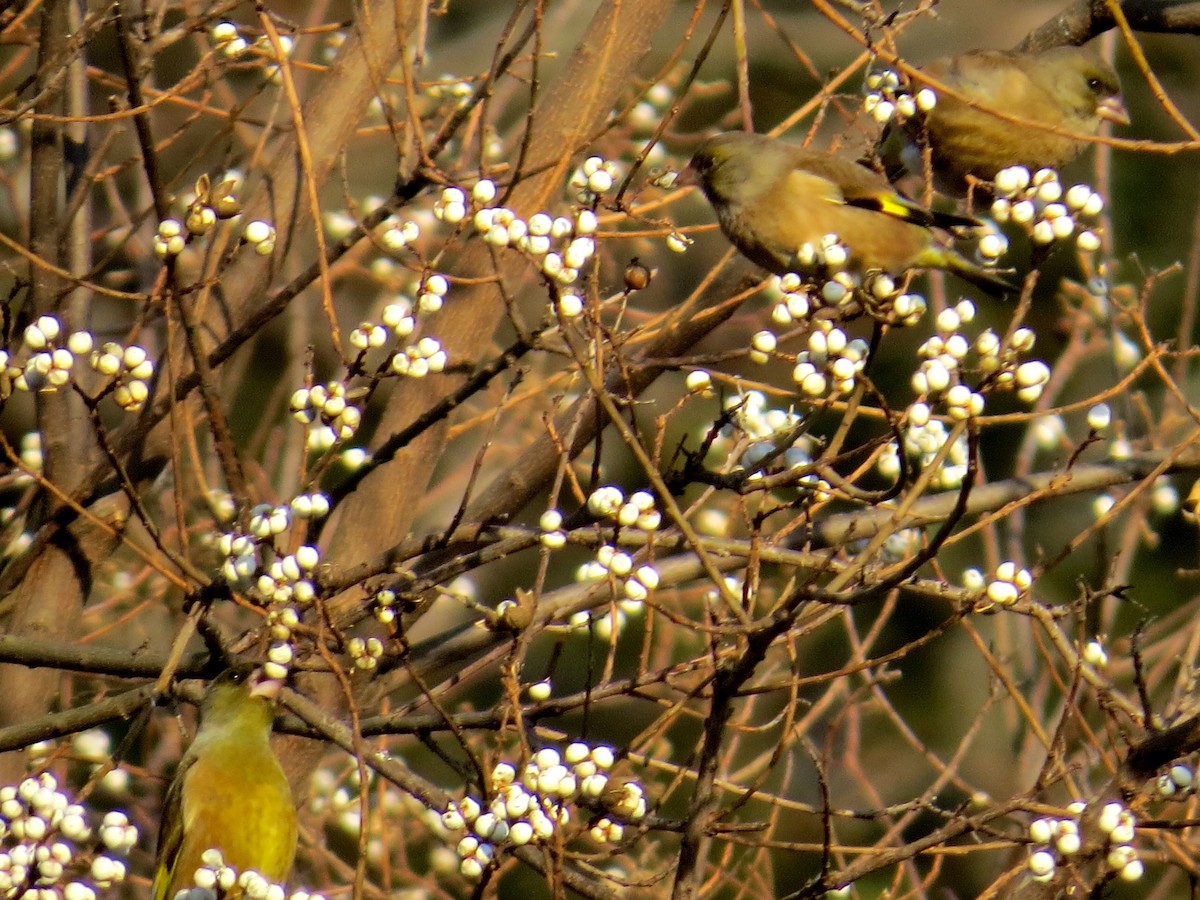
(229, 792)
(1070, 89)
(771, 198)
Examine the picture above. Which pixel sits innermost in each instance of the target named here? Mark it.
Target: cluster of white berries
(831, 256)
(793, 303)
(131, 370)
(762, 345)
(274, 54)
(535, 806)
(763, 425)
(1008, 584)
(394, 234)
(1055, 840)
(261, 236)
(432, 293)
(924, 438)
(52, 356)
(647, 115)
(637, 511)
(213, 203)
(285, 581)
(612, 621)
(30, 453)
(889, 99)
(1178, 782)
(831, 364)
(635, 582)
(208, 206)
(328, 411)
(426, 357)
(228, 39)
(943, 353)
(337, 794)
(399, 320)
(50, 360)
(596, 176)
(41, 833)
(756, 419)
(384, 606)
(94, 747)
(1117, 822)
(214, 875)
(826, 283)
(365, 652)
(561, 246)
(168, 239)
(453, 205)
(944, 357)
(450, 87)
(552, 535)
(1039, 203)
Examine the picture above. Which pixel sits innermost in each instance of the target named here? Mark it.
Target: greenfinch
(229, 792)
(772, 198)
(1068, 88)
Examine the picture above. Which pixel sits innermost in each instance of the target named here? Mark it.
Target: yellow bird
(229, 792)
(772, 197)
(1068, 88)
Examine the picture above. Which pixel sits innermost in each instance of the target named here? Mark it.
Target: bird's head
(730, 167)
(1086, 84)
(239, 691)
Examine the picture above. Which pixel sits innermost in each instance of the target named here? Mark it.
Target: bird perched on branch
(772, 198)
(1070, 89)
(229, 792)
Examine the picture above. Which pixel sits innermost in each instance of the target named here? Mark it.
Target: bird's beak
(1111, 109)
(267, 688)
(686, 178)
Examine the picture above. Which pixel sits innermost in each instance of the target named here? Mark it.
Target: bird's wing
(984, 75)
(170, 834)
(1045, 87)
(842, 181)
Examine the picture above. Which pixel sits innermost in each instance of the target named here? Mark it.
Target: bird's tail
(990, 281)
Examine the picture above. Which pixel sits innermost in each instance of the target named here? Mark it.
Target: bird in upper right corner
(1069, 88)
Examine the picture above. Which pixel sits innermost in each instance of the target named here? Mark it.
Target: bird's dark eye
(1096, 86)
